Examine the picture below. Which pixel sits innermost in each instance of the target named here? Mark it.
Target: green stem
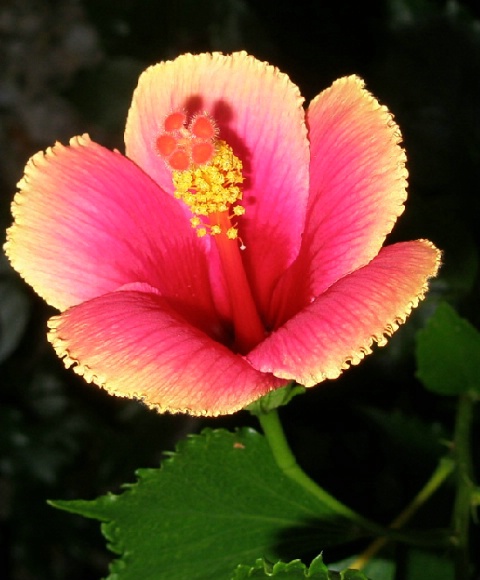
(465, 486)
(287, 462)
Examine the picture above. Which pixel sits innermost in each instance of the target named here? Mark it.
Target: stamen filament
(249, 330)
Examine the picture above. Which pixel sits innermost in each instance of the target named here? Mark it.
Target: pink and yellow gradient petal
(358, 180)
(259, 113)
(133, 344)
(87, 221)
(341, 325)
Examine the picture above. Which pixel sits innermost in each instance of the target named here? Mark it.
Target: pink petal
(259, 113)
(133, 344)
(340, 326)
(87, 221)
(358, 185)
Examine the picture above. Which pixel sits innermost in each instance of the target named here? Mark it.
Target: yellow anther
(195, 221)
(211, 189)
(232, 233)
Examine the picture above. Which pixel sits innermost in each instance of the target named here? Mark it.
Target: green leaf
(292, 570)
(351, 575)
(377, 568)
(408, 564)
(448, 354)
(422, 564)
(295, 570)
(276, 398)
(218, 502)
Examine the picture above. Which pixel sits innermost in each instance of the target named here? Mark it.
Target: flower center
(207, 177)
(205, 172)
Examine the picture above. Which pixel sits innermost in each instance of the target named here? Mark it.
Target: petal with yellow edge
(87, 221)
(358, 181)
(341, 325)
(358, 186)
(134, 344)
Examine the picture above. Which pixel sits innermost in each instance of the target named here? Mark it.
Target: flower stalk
(286, 461)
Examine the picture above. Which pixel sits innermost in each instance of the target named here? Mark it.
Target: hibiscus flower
(235, 247)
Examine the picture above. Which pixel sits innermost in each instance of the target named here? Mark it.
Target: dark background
(371, 437)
